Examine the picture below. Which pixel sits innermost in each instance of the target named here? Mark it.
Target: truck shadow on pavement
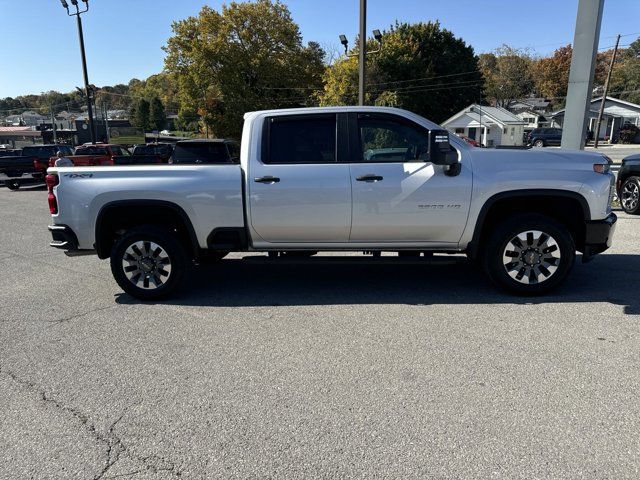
(256, 281)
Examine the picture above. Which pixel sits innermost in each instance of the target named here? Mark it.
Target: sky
(39, 48)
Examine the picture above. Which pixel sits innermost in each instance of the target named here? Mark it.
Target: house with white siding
(616, 114)
(491, 126)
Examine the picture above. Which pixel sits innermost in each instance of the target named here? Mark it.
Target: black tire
(539, 143)
(162, 277)
(630, 196)
(536, 268)
(12, 184)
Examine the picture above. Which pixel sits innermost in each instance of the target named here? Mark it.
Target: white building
(491, 126)
(532, 119)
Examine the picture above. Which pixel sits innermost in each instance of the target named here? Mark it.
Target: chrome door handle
(370, 178)
(266, 179)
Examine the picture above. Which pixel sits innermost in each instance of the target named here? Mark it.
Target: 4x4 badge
(78, 175)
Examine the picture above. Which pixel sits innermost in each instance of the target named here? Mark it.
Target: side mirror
(440, 151)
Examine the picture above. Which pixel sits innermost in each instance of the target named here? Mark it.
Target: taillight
(51, 181)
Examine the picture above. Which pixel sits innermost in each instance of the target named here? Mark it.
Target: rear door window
(301, 139)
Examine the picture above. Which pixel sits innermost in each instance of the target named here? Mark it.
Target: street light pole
(362, 54)
(363, 51)
(87, 88)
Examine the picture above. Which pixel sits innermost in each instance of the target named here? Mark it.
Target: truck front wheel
(148, 262)
(529, 254)
(630, 196)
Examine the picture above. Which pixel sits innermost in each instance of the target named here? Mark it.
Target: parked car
(628, 184)
(470, 141)
(106, 154)
(31, 163)
(544, 137)
(305, 183)
(162, 150)
(206, 151)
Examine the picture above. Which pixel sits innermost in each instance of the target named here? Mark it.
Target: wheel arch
(569, 208)
(126, 214)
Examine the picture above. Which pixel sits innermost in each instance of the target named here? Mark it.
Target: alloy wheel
(630, 196)
(146, 264)
(531, 257)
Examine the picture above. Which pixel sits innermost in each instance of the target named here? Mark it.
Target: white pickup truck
(366, 179)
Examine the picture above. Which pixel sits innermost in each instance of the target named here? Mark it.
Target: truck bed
(210, 195)
(15, 167)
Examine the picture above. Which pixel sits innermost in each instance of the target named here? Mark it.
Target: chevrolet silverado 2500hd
(341, 179)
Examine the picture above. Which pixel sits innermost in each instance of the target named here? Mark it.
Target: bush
(629, 133)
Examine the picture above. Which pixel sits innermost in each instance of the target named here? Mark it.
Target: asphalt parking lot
(301, 370)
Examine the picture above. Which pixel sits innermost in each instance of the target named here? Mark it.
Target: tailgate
(16, 166)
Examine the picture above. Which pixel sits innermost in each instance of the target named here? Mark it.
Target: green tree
(421, 67)
(157, 116)
(508, 74)
(248, 56)
(141, 115)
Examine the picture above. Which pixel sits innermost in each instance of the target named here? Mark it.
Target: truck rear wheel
(148, 263)
(529, 254)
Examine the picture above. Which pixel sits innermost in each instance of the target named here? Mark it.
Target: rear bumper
(64, 239)
(598, 236)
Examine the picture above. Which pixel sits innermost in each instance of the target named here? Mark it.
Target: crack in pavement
(81, 314)
(114, 445)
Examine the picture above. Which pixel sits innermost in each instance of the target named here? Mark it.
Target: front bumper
(598, 236)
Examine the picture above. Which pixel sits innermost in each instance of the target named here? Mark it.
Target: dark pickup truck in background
(206, 151)
(162, 150)
(31, 163)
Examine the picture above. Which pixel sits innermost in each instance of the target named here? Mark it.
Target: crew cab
(368, 179)
(31, 164)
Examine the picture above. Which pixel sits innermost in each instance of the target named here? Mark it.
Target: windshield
(120, 151)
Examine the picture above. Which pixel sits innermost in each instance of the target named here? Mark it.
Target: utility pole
(362, 54)
(53, 124)
(604, 94)
(105, 109)
(363, 51)
(87, 88)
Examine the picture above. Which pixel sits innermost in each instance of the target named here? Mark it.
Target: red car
(105, 154)
(470, 141)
